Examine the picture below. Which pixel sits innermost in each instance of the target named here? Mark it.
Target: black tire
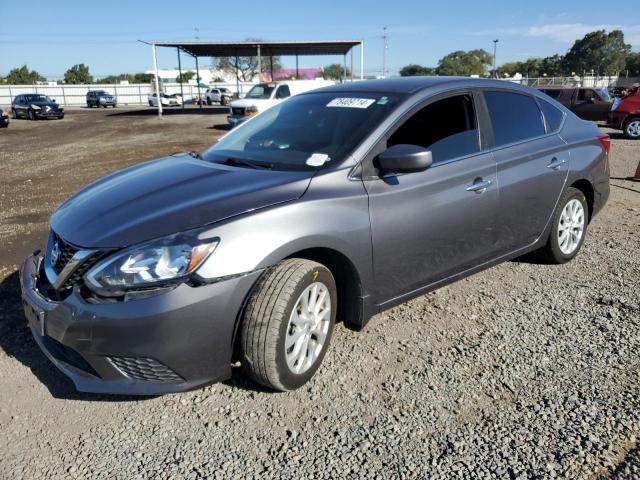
(32, 116)
(266, 321)
(551, 252)
(209, 102)
(631, 128)
(14, 114)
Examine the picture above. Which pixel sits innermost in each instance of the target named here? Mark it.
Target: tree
(509, 69)
(335, 71)
(473, 62)
(247, 67)
(78, 74)
(23, 76)
(413, 70)
(185, 76)
(633, 64)
(129, 77)
(604, 53)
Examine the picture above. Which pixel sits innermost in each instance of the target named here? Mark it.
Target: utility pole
(196, 32)
(495, 47)
(384, 52)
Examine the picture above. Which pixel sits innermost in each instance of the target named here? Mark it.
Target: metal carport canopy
(249, 48)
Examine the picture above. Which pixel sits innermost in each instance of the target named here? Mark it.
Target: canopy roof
(250, 48)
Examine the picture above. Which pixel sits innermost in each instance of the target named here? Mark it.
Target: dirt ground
(522, 371)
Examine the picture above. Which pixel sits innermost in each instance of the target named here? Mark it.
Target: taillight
(605, 142)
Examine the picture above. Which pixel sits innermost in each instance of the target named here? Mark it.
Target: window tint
(514, 117)
(283, 92)
(586, 94)
(552, 93)
(552, 115)
(447, 127)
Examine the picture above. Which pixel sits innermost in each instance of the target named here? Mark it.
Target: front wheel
(631, 128)
(569, 228)
(14, 114)
(287, 324)
(32, 116)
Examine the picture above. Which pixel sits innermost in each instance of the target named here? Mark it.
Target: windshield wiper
(248, 163)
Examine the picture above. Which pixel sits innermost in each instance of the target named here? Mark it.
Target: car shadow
(168, 111)
(220, 126)
(17, 342)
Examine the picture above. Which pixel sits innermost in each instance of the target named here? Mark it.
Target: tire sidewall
(290, 380)
(571, 194)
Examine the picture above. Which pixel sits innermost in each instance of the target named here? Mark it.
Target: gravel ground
(522, 371)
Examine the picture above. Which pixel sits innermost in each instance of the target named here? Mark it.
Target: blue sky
(66, 32)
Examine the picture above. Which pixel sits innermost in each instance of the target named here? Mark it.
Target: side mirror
(404, 158)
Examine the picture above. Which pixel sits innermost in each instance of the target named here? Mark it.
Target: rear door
(532, 164)
(429, 225)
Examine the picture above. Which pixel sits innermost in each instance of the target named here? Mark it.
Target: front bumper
(48, 113)
(170, 342)
(235, 120)
(107, 102)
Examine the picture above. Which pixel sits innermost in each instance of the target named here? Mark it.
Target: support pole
(155, 68)
(351, 50)
(361, 59)
(259, 65)
(180, 77)
(297, 72)
(237, 78)
(344, 68)
(198, 81)
(271, 67)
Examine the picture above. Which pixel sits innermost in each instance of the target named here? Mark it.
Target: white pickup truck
(265, 95)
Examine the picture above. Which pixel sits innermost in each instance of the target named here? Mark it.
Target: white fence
(133, 94)
(586, 81)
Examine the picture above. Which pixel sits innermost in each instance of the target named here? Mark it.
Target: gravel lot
(522, 371)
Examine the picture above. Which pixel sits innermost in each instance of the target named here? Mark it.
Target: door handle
(555, 164)
(479, 186)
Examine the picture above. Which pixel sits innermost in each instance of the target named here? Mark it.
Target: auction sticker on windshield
(351, 102)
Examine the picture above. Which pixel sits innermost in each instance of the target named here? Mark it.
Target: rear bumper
(170, 342)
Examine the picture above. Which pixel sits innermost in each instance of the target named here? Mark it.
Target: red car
(625, 115)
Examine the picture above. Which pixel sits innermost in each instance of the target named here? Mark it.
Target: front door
(590, 106)
(429, 225)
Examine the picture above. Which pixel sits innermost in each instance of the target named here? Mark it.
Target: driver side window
(283, 92)
(447, 127)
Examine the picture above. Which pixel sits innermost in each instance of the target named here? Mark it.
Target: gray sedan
(334, 205)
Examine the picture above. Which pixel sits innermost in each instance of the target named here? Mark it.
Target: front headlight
(251, 111)
(161, 262)
(36, 107)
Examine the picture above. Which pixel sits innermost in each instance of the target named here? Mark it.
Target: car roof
(410, 85)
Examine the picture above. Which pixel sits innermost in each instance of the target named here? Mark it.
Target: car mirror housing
(404, 158)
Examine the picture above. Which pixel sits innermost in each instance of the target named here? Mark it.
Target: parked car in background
(335, 204)
(263, 96)
(219, 95)
(35, 106)
(4, 118)
(100, 98)
(587, 103)
(625, 115)
(173, 100)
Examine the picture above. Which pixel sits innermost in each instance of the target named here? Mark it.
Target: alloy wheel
(308, 327)
(633, 128)
(571, 226)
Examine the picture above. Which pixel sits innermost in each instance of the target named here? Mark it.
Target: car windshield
(603, 94)
(306, 132)
(261, 91)
(101, 92)
(37, 98)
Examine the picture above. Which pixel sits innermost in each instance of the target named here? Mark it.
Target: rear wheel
(288, 323)
(569, 228)
(631, 128)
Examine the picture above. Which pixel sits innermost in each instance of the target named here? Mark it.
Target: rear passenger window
(447, 127)
(552, 115)
(552, 93)
(514, 116)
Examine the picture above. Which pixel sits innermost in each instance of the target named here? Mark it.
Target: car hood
(251, 102)
(167, 196)
(45, 104)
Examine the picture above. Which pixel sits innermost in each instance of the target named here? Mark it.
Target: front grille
(67, 251)
(67, 355)
(146, 369)
(237, 111)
